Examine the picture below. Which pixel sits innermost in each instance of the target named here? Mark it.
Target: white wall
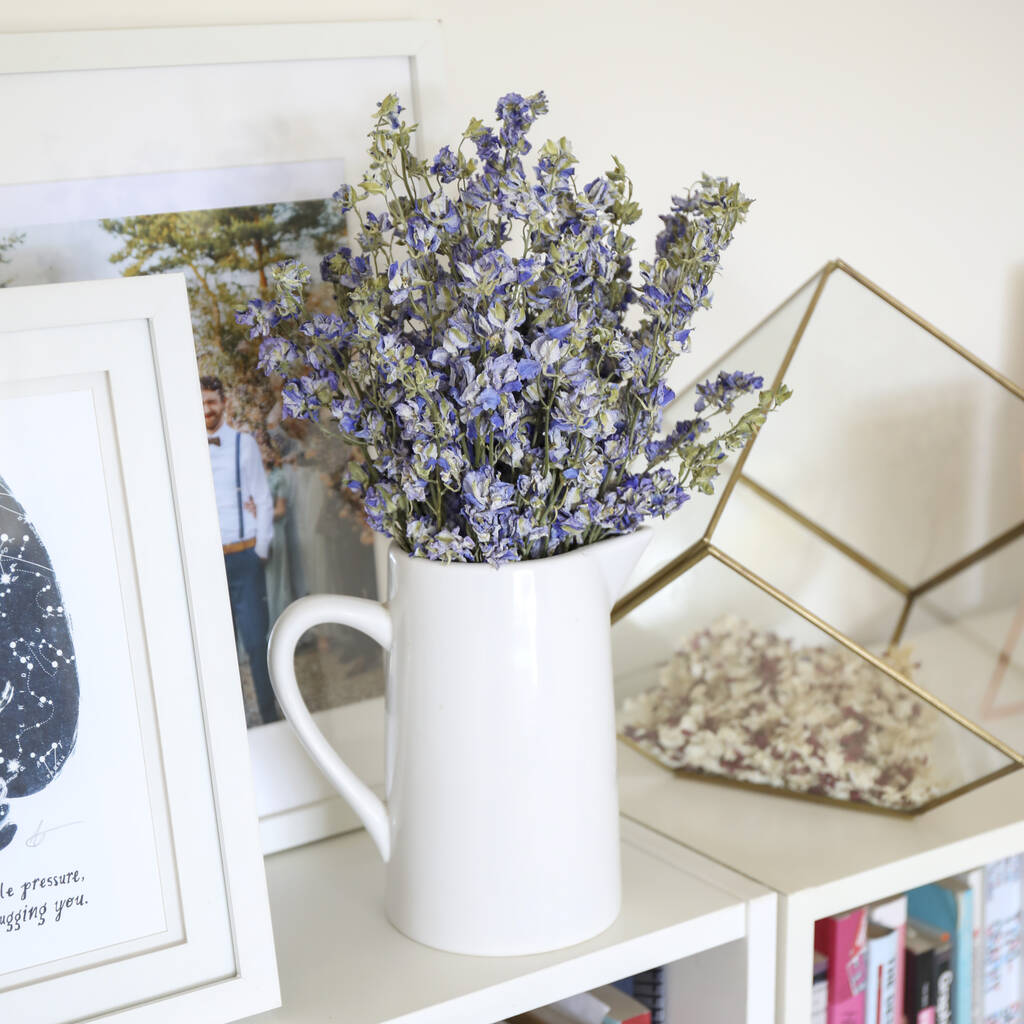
(885, 132)
(888, 133)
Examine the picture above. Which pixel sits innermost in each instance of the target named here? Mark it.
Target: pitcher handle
(369, 617)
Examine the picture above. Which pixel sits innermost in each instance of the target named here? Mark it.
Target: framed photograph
(212, 152)
(131, 877)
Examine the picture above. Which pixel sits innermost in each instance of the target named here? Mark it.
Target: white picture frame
(294, 802)
(102, 376)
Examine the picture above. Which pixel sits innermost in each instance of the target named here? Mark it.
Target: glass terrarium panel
(968, 635)
(716, 676)
(807, 568)
(893, 442)
(762, 352)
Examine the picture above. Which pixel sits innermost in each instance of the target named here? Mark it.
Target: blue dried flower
(345, 197)
(488, 147)
(723, 391)
(422, 236)
(260, 316)
(498, 370)
(275, 354)
(445, 165)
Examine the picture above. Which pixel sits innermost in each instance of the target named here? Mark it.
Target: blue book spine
(936, 906)
(949, 906)
(626, 985)
(963, 972)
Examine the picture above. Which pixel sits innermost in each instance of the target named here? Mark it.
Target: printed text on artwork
(40, 901)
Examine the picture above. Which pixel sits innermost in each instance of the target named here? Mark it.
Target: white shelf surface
(341, 961)
(821, 859)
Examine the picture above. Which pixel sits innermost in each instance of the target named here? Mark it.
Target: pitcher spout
(617, 557)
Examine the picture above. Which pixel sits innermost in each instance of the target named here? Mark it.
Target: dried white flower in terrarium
(750, 705)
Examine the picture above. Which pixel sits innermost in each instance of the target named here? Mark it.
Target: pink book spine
(926, 1016)
(843, 939)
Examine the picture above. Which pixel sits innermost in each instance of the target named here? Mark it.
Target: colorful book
(584, 1008)
(976, 1011)
(949, 906)
(963, 947)
(843, 939)
(892, 914)
(622, 1009)
(625, 985)
(544, 1015)
(944, 976)
(919, 997)
(1002, 969)
(819, 991)
(883, 950)
(649, 989)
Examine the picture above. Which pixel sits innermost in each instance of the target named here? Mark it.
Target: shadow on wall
(1013, 345)
(1011, 424)
(1006, 471)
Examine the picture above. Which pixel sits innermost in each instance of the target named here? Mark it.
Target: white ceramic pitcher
(500, 825)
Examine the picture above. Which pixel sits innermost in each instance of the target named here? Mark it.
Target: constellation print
(38, 673)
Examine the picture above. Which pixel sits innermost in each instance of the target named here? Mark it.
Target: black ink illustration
(38, 673)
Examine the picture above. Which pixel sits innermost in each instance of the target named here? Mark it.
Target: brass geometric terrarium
(843, 619)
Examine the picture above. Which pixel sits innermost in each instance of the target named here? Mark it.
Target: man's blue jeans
(247, 586)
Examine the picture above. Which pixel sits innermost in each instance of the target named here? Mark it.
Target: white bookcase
(723, 883)
(340, 960)
(820, 859)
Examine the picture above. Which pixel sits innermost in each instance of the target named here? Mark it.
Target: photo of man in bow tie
(290, 525)
(245, 508)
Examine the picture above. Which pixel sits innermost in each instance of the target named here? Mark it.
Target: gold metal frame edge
(703, 547)
(962, 564)
(980, 364)
(662, 578)
(840, 545)
(969, 787)
(818, 798)
(872, 659)
(825, 274)
(760, 787)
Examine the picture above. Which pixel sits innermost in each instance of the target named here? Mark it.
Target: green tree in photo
(7, 243)
(225, 255)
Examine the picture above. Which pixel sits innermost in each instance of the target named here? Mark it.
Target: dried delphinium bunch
(746, 704)
(481, 360)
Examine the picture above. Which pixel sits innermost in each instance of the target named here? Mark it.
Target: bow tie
(213, 440)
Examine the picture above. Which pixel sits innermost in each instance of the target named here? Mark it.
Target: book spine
(649, 989)
(622, 1009)
(893, 914)
(819, 1002)
(881, 991)
(976, 1011)
(843, 939)
(888, 1007)
(942, 986)
(920, 972)
(1002, 970)
(963, 966)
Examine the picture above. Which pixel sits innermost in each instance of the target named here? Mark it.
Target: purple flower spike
(493, 353)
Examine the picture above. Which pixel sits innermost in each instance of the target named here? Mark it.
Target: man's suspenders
(238, 482)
